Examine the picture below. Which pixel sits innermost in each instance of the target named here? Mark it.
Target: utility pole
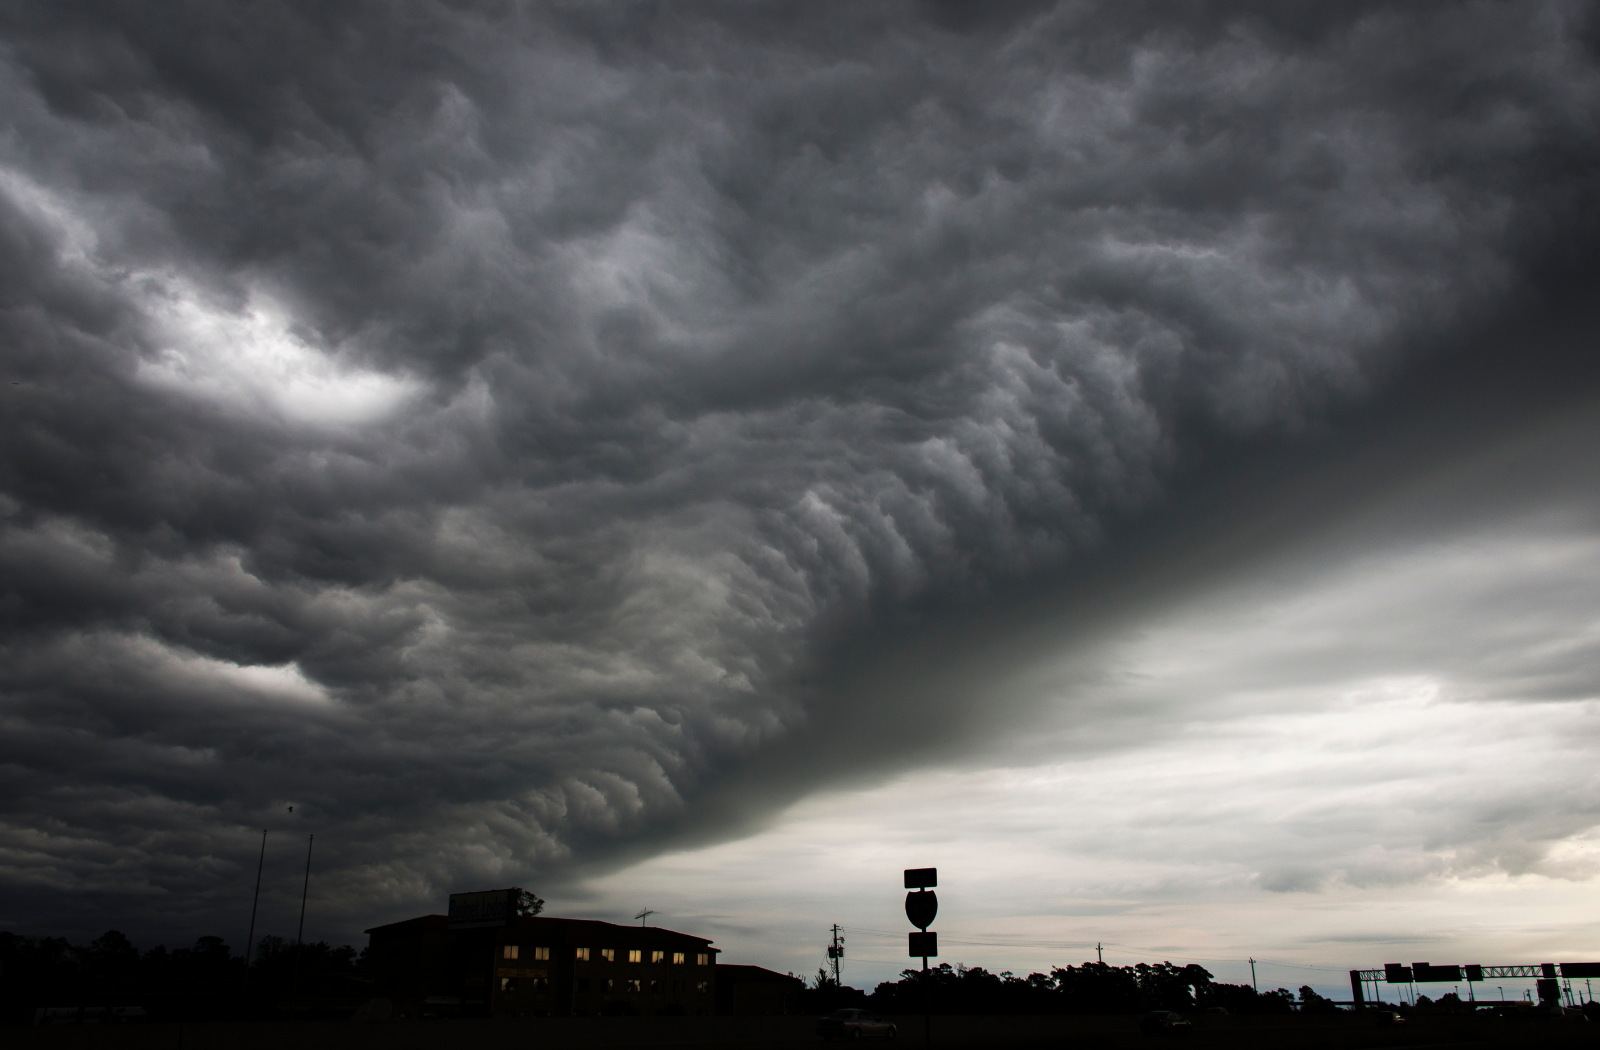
(250, 939)
(1253, 977)
(835, 953)
(642, 916)
(300, 933)
(1099, 956)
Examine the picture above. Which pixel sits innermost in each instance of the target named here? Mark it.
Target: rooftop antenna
(644, 915)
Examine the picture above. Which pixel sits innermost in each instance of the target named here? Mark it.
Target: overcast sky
(1139, 459)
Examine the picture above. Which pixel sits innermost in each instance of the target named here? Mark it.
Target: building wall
(752, 991)
(628, 970)
(536, 967)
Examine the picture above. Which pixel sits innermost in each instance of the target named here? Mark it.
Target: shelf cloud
(526, 439)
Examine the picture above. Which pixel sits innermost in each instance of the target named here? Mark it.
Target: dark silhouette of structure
(1544, 976)
(750, 991)
(484, 960)
(921, 907)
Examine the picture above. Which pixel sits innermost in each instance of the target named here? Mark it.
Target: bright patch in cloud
(253, 359)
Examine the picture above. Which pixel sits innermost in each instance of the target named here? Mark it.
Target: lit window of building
(608, 954)
(703, 959)
(582, 955)
(633, 984)
(677, 958)
(656, 957)
(635, 955)
(508, 952)
(542, 953)
(702, 986)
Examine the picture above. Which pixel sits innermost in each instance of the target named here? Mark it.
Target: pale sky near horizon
(1334, 797)
(713, 456)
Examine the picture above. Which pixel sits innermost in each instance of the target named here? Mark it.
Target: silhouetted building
(542, 967)
(755, 990)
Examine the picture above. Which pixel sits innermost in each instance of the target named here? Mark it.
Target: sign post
(921, 907)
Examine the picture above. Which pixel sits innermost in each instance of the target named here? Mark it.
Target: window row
(607, 986)
(635, 955)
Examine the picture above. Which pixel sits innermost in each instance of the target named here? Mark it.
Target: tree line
(1093, 988)
(208, 981)
(204, 981)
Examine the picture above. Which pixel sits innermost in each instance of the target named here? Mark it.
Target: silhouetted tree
(1312, 1003)
(825, 995)
(528, 904)
(1242, 999)
(204, 981)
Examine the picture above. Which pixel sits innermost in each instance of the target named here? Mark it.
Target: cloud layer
(485, 428)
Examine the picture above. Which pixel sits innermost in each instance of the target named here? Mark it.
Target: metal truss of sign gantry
(1426, 973)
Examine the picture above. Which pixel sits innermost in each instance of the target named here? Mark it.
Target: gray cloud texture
(481, 426)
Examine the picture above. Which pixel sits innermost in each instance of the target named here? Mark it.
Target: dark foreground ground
(782, 1033)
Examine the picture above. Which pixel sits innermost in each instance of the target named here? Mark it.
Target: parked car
(853, 1024)
(1165, 1022)
(1391, 1017)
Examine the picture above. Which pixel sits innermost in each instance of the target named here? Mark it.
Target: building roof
(580, 932)
(437, 922)
(594, 932)
(736, 973)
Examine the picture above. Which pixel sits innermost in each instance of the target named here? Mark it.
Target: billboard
(1394, 973)
(1580, 969)
(482, 910)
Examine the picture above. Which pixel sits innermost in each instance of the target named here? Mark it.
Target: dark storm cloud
(478, 425)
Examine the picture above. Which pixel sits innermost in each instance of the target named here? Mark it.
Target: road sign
(921, 907)
(924, 945)
(921, 878)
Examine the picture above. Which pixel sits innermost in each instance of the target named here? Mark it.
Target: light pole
(250, 939)
(299, 933)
